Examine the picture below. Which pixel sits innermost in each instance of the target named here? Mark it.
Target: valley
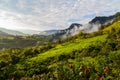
(93, 55)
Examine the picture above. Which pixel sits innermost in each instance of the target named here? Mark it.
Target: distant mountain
(72, 26)
(29, 32)
(12, 32)
(48, 32)
(101, 20)
(74, 29)
(92, 26)
(3, 34)
(104, 19)
(95, 23)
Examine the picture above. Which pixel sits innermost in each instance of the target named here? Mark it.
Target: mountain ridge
(92, 26)
(12, 32)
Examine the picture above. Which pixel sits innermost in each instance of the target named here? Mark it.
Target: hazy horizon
(43, 15)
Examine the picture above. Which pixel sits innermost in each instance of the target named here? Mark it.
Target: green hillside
(114, 25)
(86, 56)
(68, 47)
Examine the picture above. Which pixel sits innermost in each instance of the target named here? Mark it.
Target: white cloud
(52, 14)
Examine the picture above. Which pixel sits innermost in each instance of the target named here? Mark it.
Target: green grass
(114, 25)
(68, 47)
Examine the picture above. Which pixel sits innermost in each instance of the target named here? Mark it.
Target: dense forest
(86, 56)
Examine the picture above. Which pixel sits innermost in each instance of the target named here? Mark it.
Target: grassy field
(68, 47)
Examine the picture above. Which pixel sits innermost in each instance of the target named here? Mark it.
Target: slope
(114, 25)
(68, 47)
(87, 56)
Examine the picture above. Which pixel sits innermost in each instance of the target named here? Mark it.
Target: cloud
(52, 14)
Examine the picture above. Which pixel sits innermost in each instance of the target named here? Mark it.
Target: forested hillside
(10, 41)
(86, 56)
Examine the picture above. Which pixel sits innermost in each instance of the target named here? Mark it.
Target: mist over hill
(12, 32)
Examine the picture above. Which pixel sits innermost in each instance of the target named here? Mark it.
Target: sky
(43, 15)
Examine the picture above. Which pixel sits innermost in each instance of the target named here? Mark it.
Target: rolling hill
(85, 56)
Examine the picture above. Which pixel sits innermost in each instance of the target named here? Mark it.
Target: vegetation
(17, 41)
(86, 56)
